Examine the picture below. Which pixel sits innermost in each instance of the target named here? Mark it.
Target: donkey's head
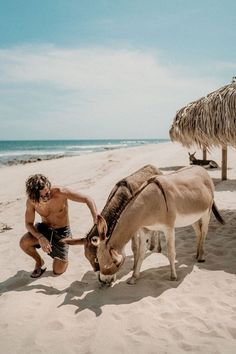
(109, 259)
(100, 254)
(90, 250)
(192, 157)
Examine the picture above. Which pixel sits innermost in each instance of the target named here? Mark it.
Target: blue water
(25, 151)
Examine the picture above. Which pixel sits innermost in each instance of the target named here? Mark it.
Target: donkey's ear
(95, 240)
(102, 227)
(189, 153)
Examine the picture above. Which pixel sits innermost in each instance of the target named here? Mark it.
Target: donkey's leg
(170, 240)
(139, 256)
(135, 243)
(159, 248)
(205, 223)
(201, 228)
(155, 242)
(197, 226)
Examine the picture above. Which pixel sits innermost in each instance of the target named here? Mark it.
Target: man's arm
(29, 223)
(81, 198)
(29, 220)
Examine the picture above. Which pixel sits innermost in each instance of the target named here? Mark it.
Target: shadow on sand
(222, 186)
(87, 293)
(22, 281)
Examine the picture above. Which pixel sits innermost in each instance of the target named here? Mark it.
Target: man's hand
(45, 244)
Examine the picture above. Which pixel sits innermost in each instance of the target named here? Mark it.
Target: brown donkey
(163, 203)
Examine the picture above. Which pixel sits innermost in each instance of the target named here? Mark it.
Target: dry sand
(72, 314)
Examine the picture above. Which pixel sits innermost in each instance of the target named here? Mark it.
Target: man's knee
(27, 241)
(59, 267)
(24, 241)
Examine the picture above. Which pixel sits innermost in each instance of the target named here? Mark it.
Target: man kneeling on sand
(51, 203)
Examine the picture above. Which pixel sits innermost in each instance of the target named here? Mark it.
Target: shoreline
(28, 151)
(31, 159)
(135, 156)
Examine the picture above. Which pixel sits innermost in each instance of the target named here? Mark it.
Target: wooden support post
(224, 164)
(204, 153)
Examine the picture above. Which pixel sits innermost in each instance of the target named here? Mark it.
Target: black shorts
(59, 250)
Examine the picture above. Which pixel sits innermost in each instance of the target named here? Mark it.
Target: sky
(107, 69)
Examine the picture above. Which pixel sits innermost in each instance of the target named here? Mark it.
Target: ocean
(25, 151)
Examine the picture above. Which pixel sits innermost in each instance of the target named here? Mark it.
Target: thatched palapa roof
(209, 121)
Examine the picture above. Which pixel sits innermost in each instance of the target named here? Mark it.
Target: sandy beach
(73, 314)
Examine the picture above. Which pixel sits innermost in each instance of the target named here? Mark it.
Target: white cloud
(93, 92)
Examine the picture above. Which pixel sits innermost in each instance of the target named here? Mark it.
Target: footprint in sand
(55, 325)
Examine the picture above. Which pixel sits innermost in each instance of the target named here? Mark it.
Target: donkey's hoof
(131, 281)
(173, 277)
(201, 260)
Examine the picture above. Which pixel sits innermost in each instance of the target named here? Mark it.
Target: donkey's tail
(217, 213)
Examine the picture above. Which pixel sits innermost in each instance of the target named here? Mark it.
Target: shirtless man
(51, 203)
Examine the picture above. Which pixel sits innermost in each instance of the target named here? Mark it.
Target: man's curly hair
(35, 184)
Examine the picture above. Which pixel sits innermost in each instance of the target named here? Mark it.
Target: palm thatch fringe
(209, 121)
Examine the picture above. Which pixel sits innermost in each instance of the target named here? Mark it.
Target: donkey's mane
(116, 202)
(115, 206)
(154, 180)
(119, 198)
